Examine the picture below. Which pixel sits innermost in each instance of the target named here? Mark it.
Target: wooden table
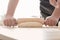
(31, 33)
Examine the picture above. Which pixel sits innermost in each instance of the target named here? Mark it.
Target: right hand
(9, 21)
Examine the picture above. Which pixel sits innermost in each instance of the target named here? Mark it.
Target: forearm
(11, 8)
(56, 13)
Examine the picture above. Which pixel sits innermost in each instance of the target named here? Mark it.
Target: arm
(9, 20)
(56, 12)
(53, 19)
(11, 8)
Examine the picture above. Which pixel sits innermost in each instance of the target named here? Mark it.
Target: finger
(52, 23)
(5, 22)
(13, 22)
(55, 23)
(49, 23)
(9, 22)
(46, 22)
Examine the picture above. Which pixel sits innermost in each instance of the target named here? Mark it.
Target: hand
(9, 21)
(51, 21)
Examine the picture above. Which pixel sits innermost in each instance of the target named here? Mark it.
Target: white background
(25, 8)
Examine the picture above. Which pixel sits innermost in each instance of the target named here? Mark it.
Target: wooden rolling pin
(29, 22)
(33, 23)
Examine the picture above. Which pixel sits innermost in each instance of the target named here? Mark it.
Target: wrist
(57, 17)
(8, 16)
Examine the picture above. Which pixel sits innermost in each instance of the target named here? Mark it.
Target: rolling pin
(21, 20)
(33, 23)
(30, 23)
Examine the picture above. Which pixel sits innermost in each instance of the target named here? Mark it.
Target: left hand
(51, 21)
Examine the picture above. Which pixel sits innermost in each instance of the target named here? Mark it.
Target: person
(48, 11)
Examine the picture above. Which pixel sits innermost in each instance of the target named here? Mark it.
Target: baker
(50, 10)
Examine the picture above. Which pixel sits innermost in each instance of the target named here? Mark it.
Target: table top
(30, 33)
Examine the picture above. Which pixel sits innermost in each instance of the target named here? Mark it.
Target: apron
(46, 8)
